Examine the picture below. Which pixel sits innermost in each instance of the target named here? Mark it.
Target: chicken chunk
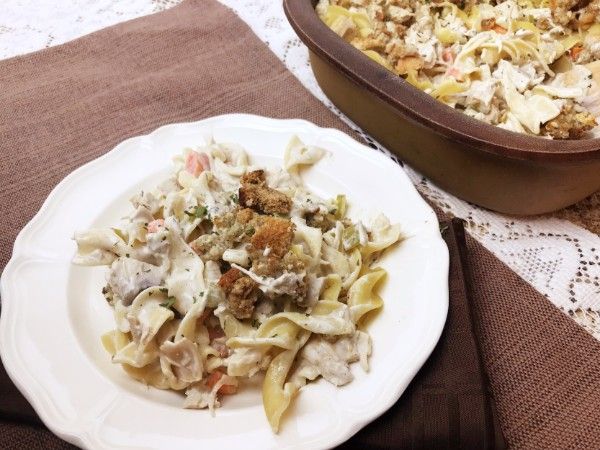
(255, 194)
(128, 277)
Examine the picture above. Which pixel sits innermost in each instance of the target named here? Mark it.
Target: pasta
(225, 270)
(526, 66)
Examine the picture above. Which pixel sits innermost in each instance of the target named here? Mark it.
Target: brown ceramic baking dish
(505, 171)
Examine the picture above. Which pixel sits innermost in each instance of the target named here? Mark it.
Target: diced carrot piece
(204, 161)
(154, 226)
(499, 29)
(575, 51)
(228, 389)
(213, 378)
(196, 163)
(448, 55)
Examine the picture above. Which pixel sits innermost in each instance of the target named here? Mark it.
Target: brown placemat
(64, 106)
(585, 213)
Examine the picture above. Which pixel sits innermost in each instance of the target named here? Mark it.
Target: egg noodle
(226, 270)
(530, 66)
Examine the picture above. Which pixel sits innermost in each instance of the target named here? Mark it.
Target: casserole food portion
(530, 66)
(225, 270)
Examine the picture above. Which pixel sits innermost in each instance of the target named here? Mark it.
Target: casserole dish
(505, 171)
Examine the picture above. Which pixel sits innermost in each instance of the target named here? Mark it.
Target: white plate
(53, 313)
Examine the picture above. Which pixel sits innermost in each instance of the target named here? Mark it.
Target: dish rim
(421, 108)
(40, 399)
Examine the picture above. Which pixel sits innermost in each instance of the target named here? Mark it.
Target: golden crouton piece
(255, 194)
(569, 124)
(244, 216)
(273, 233)
(241, 292)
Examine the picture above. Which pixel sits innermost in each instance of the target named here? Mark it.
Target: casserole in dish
(499, 169)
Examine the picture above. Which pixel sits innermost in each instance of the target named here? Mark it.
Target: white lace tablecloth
(560, 259)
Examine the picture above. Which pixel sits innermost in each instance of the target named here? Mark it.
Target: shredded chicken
(331, 359)
(128, 277)
(184, 358)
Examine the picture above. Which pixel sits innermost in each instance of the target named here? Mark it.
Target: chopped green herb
(350, 238)
(163, 289)
(187, 270)
(275, 335)
(127, 255)
(170, 302)
(340, 206)
(234, 198)
(255, 323)
(197, 212)
(201, 293)
(250, 231)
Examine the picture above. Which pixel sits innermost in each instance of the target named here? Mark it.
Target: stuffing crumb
(241, 293)
(569, 124)
(255, 194)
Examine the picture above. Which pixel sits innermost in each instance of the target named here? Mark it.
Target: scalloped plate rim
(33, 390)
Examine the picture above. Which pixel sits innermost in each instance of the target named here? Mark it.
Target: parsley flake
(170, 302)
(197, 212)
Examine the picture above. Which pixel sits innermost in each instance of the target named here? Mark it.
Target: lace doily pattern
(560, 259)
(30, 25)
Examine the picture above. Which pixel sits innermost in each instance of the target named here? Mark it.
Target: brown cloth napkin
(64, 106)
(447, 404)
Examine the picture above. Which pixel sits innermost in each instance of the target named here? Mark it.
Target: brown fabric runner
(69, 104)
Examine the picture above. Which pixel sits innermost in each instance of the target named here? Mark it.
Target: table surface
(559, 257)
